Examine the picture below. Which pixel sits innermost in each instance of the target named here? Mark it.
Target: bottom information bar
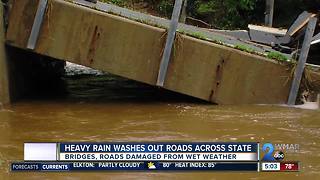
(134, 166)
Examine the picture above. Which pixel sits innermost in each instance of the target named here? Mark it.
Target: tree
(226, 14)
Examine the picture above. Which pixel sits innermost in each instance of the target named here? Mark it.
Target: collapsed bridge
(210, 69)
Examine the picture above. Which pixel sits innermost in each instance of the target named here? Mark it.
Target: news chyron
(158, 157)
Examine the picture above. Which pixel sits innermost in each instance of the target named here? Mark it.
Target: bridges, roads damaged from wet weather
(79, 33)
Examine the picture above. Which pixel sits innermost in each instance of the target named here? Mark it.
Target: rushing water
(101, 107)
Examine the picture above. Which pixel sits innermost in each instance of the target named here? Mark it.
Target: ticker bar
(134, 166)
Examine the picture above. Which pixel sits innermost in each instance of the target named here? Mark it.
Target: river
(101, 107)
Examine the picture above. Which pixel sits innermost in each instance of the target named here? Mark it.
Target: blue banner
(159, 147)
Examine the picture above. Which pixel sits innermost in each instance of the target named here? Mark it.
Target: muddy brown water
(108, 108)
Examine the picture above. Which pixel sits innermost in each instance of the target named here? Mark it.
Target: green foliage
(116, 2)
(237, 14)
(277, 56)
(230, 14)
(225, 14)
(206, 8)
(165, 7)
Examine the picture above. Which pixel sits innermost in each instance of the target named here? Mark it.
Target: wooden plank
(170, 40)
(302, 61)
(300, 22)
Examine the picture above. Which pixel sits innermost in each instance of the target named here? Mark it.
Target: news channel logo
(275, 152)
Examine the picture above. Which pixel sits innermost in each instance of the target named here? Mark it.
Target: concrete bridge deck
(132, 49)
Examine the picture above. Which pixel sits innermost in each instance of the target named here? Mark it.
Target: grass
(198, 35)
(244, 48)
(277, 56)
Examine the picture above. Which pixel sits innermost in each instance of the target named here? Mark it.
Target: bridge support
(4, 76)
(25, 73)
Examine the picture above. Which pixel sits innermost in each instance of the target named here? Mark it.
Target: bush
(224, 14)
(165, 8)
(120, 3)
